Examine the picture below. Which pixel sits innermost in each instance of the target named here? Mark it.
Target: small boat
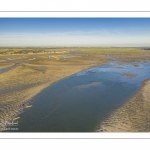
(16, 118)
(29, 106)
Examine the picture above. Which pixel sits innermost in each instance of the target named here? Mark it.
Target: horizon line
(74, 46)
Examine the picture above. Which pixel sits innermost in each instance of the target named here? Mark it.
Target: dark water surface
(81, 102)
(8, 68)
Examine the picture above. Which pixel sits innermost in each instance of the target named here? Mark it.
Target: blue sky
(90, 32)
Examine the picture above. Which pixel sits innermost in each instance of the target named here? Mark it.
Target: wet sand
(30, 77)
(36, 72)
(133, 116)
(129, 75)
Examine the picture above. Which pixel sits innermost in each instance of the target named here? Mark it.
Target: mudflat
(133, 116)
(33, 73)
(36, 71)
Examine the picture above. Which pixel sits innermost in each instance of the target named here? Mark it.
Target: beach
(133, 116)
(26, 75)
(31, 76)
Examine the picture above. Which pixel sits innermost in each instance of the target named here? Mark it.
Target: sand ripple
(133, 116)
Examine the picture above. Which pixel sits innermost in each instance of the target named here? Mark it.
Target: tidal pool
(8, 68)
(82, 101)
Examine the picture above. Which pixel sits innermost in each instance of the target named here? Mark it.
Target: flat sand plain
(35, 72)
(133, 116)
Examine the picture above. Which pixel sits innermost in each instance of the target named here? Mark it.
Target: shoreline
(31, 77)
(29, 93)
(133, 116)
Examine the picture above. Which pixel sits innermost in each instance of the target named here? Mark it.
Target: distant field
(77, 49)
(114, 50)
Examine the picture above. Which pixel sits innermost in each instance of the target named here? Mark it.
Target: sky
(74, 32)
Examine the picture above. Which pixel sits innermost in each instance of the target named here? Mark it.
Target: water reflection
(79, 103)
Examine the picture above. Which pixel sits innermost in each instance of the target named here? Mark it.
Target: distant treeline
(19, 51)
(73, 50)
(29, 50)
(147, 48)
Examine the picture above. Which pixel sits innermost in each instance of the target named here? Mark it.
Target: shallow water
(8, 68)
(81, 102)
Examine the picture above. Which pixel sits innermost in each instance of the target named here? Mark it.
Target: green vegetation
(114, 50)
(75, 49)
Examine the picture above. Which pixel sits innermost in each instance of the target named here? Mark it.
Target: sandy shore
(31, 76)
(36, 72)
(133, 116)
